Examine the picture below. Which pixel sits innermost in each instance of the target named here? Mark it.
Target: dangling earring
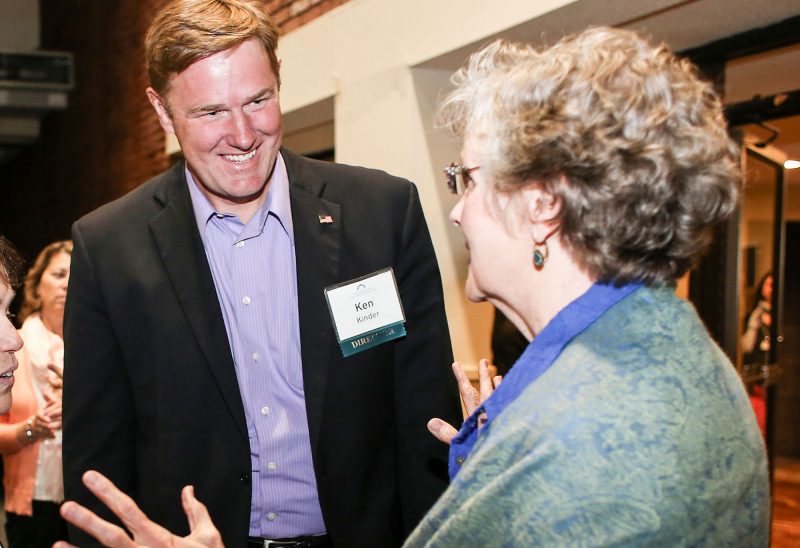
(541, 251)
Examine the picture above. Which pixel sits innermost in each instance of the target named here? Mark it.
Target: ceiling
(683, 24)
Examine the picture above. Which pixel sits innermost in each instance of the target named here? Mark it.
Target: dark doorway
(787, 404)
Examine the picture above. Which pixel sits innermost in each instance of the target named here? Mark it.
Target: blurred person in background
(755, 343)
(755, 340)
(30, 433)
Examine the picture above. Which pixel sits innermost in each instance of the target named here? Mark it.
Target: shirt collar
(277, 202)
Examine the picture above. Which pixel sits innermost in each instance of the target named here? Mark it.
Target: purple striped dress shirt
(255, 275)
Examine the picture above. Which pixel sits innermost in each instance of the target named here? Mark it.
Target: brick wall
(108, 141)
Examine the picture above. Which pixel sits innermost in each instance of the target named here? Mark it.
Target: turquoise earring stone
(538, 259)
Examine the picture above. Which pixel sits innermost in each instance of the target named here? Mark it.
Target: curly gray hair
(626, 136)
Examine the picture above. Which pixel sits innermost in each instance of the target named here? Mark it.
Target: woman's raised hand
(470, 397)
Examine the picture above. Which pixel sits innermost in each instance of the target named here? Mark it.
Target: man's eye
(201, 113)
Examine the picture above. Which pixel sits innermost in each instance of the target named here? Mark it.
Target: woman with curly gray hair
(592, 175)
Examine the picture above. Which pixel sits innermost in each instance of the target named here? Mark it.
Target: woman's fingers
(441, 430)
(52, 411)
(469, 395)
(59, 371)
(56, 380)
(484, 381)
(471, 398)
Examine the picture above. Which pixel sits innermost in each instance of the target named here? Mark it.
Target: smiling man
(200, 347)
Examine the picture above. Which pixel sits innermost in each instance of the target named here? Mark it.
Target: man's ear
(160, 105)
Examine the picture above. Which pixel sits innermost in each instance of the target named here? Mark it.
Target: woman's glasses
(458, 178)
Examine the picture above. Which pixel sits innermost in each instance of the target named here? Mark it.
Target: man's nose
(241, 135)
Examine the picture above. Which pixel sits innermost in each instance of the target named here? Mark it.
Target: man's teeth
(240, 157)
(7, 375)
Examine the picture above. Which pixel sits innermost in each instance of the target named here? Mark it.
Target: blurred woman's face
(498, 245)
(53, 286)
(10, 342)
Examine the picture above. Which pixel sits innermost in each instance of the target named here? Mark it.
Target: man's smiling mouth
(239, 158)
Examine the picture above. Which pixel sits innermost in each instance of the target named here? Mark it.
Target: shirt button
(271, 516)
(459, 460)
(272, 466)
(240, 243)
(255, 356)
(244, 478)
(246, 299)
(265, 410)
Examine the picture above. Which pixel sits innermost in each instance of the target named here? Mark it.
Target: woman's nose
(10, 341)
(455, 213)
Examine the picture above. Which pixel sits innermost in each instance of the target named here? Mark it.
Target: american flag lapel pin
(325, 219)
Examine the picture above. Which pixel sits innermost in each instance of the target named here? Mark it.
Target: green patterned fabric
(640, 434)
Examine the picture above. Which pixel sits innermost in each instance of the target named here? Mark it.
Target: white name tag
(366, 311)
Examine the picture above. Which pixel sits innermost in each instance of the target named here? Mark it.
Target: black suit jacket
(151, 397)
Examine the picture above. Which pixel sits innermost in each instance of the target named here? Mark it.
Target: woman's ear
(543, 210)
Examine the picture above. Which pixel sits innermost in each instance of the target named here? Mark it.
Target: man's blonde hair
(185, 31)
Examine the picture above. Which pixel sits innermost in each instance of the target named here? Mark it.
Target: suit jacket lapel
(175, 232)
(317, 246)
